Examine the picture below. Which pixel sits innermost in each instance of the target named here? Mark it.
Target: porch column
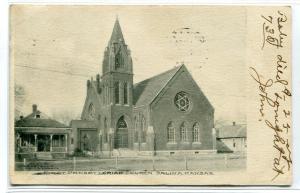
(19, 142)
(35, 142)
(51, 135)
(66, 142)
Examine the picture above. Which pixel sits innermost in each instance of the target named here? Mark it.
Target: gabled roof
(35, 113)
(38, 119)
(232, 131)
(145, 92)
(222, 147)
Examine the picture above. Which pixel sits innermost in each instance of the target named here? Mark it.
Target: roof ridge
(154, 84)
(167, 82)
(162, 73)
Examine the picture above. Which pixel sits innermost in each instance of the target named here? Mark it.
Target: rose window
(181, 101)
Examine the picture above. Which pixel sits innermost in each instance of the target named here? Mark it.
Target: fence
(149, 163)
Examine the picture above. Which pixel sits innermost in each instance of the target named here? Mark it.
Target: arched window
(121, 123)
(136, 132)
(171, 132)
(117, 92)
(105, 131)
(183, 132)
(119, 63)
(91, 112)
(143, 129)
(121, 135)
(125, 93)
(196, 132)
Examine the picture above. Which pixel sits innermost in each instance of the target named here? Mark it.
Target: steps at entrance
(44, 156)
(124, 152)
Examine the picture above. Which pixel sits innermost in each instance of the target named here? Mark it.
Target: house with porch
(40, 137)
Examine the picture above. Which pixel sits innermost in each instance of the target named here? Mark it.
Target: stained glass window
(121, 123)
(181, 101)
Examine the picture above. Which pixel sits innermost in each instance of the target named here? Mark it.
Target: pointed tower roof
(117, 33)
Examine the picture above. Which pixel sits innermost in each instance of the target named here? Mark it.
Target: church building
(163, 115)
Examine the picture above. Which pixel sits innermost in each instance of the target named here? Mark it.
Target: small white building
(232, 138)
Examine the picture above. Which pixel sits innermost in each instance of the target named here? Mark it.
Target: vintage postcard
(150, 95)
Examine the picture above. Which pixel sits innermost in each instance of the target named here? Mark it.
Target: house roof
(39, 122)
(222, 147)
(232, 131)
(38, 119)
(145, 91)
(35, 113)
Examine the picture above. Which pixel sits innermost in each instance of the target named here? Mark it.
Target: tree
(65, 117)
(19, 100)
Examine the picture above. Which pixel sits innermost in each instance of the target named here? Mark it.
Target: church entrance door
(121, 138)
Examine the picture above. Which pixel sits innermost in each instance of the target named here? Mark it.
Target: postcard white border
(4, 81)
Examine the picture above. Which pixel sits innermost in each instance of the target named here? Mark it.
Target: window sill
(185, 142)
(172, 143)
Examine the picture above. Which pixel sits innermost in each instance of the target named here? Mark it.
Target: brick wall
(163, 110)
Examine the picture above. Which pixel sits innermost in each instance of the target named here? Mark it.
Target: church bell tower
(117, 70)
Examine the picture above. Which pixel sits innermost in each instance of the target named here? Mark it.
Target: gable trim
(167, 82)
(172, 78)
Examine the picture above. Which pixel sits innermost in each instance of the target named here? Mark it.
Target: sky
(56, 49)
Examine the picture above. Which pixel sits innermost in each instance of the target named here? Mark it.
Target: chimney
(34, 108)
(233, 123)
